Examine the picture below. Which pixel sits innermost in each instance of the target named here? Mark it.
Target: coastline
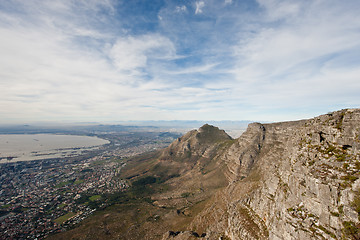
(29, 147)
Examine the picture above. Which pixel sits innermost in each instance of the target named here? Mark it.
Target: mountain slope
(292, 180)
(187, 174)
(193, 151)
(289, 180)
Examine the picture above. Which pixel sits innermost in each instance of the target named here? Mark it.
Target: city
(39, 198)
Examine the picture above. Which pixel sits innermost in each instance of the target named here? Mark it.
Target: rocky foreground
(290, 180)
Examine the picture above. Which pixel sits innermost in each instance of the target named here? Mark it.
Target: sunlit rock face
(290, 180)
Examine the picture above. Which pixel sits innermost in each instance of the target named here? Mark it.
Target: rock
(290, 180)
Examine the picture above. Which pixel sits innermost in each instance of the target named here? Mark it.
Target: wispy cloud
(279, 9)
(199, 6)
(131, 54)
(106, 60)
(291, 61)
(182, 8)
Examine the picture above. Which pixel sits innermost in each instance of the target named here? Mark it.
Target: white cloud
(130, 54)
(279, 9)
(199, 6)
(288, 62)
(46, 75)
(180, 8)
(274, 51)
(68, 59)
(194, 69)
(228, 1)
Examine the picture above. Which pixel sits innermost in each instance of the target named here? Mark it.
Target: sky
(119, 60)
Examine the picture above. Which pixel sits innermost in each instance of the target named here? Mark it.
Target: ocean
(28, 147)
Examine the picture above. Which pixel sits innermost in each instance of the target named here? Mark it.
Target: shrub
(349, 178)
(144, 181)
(356, 203)
(357, 165)
(350, 228)
(185, 195)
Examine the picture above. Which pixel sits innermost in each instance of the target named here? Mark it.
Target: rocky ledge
(290, 180)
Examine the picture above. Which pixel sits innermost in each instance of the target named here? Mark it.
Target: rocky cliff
(290, 180)
(195, 144)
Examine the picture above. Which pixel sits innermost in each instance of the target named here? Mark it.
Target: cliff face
(195, 144)
(291, 180)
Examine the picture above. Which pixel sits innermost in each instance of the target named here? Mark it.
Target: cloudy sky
(110, 60)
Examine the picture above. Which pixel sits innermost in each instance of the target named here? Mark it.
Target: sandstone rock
(291, 180)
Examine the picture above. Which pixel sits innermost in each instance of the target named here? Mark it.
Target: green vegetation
(63, 184)
(142, 187)
(79, 181)
(94, 198)
(188, 154)
(285, 187)
(290, 209)
(185, 195)
(340, 157)
(331, 149)
(313, 216)
(340, 121)
(250, 224)
(64, 218)
(83, 199)
(349, 178)
(61, 205)
(140, 191)
(357, 165)
(349, 228)
(356, 203)
(227, 143)
(322, 228)
(335, 214)
(341, 209)
(144, 181)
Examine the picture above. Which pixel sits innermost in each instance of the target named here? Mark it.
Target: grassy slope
(150, 209)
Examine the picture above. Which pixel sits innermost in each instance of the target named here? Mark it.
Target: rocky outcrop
(196, 143)
(291, 180)
(242, 156)
(184, 235)
(196, 148)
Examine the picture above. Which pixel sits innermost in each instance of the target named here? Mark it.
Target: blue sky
(106, 61)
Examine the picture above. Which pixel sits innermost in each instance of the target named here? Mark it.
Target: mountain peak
(206, 125)
(208, 128)
(211, 134)
(196, 143)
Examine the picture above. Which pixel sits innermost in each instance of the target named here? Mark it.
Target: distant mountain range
(232, 127)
